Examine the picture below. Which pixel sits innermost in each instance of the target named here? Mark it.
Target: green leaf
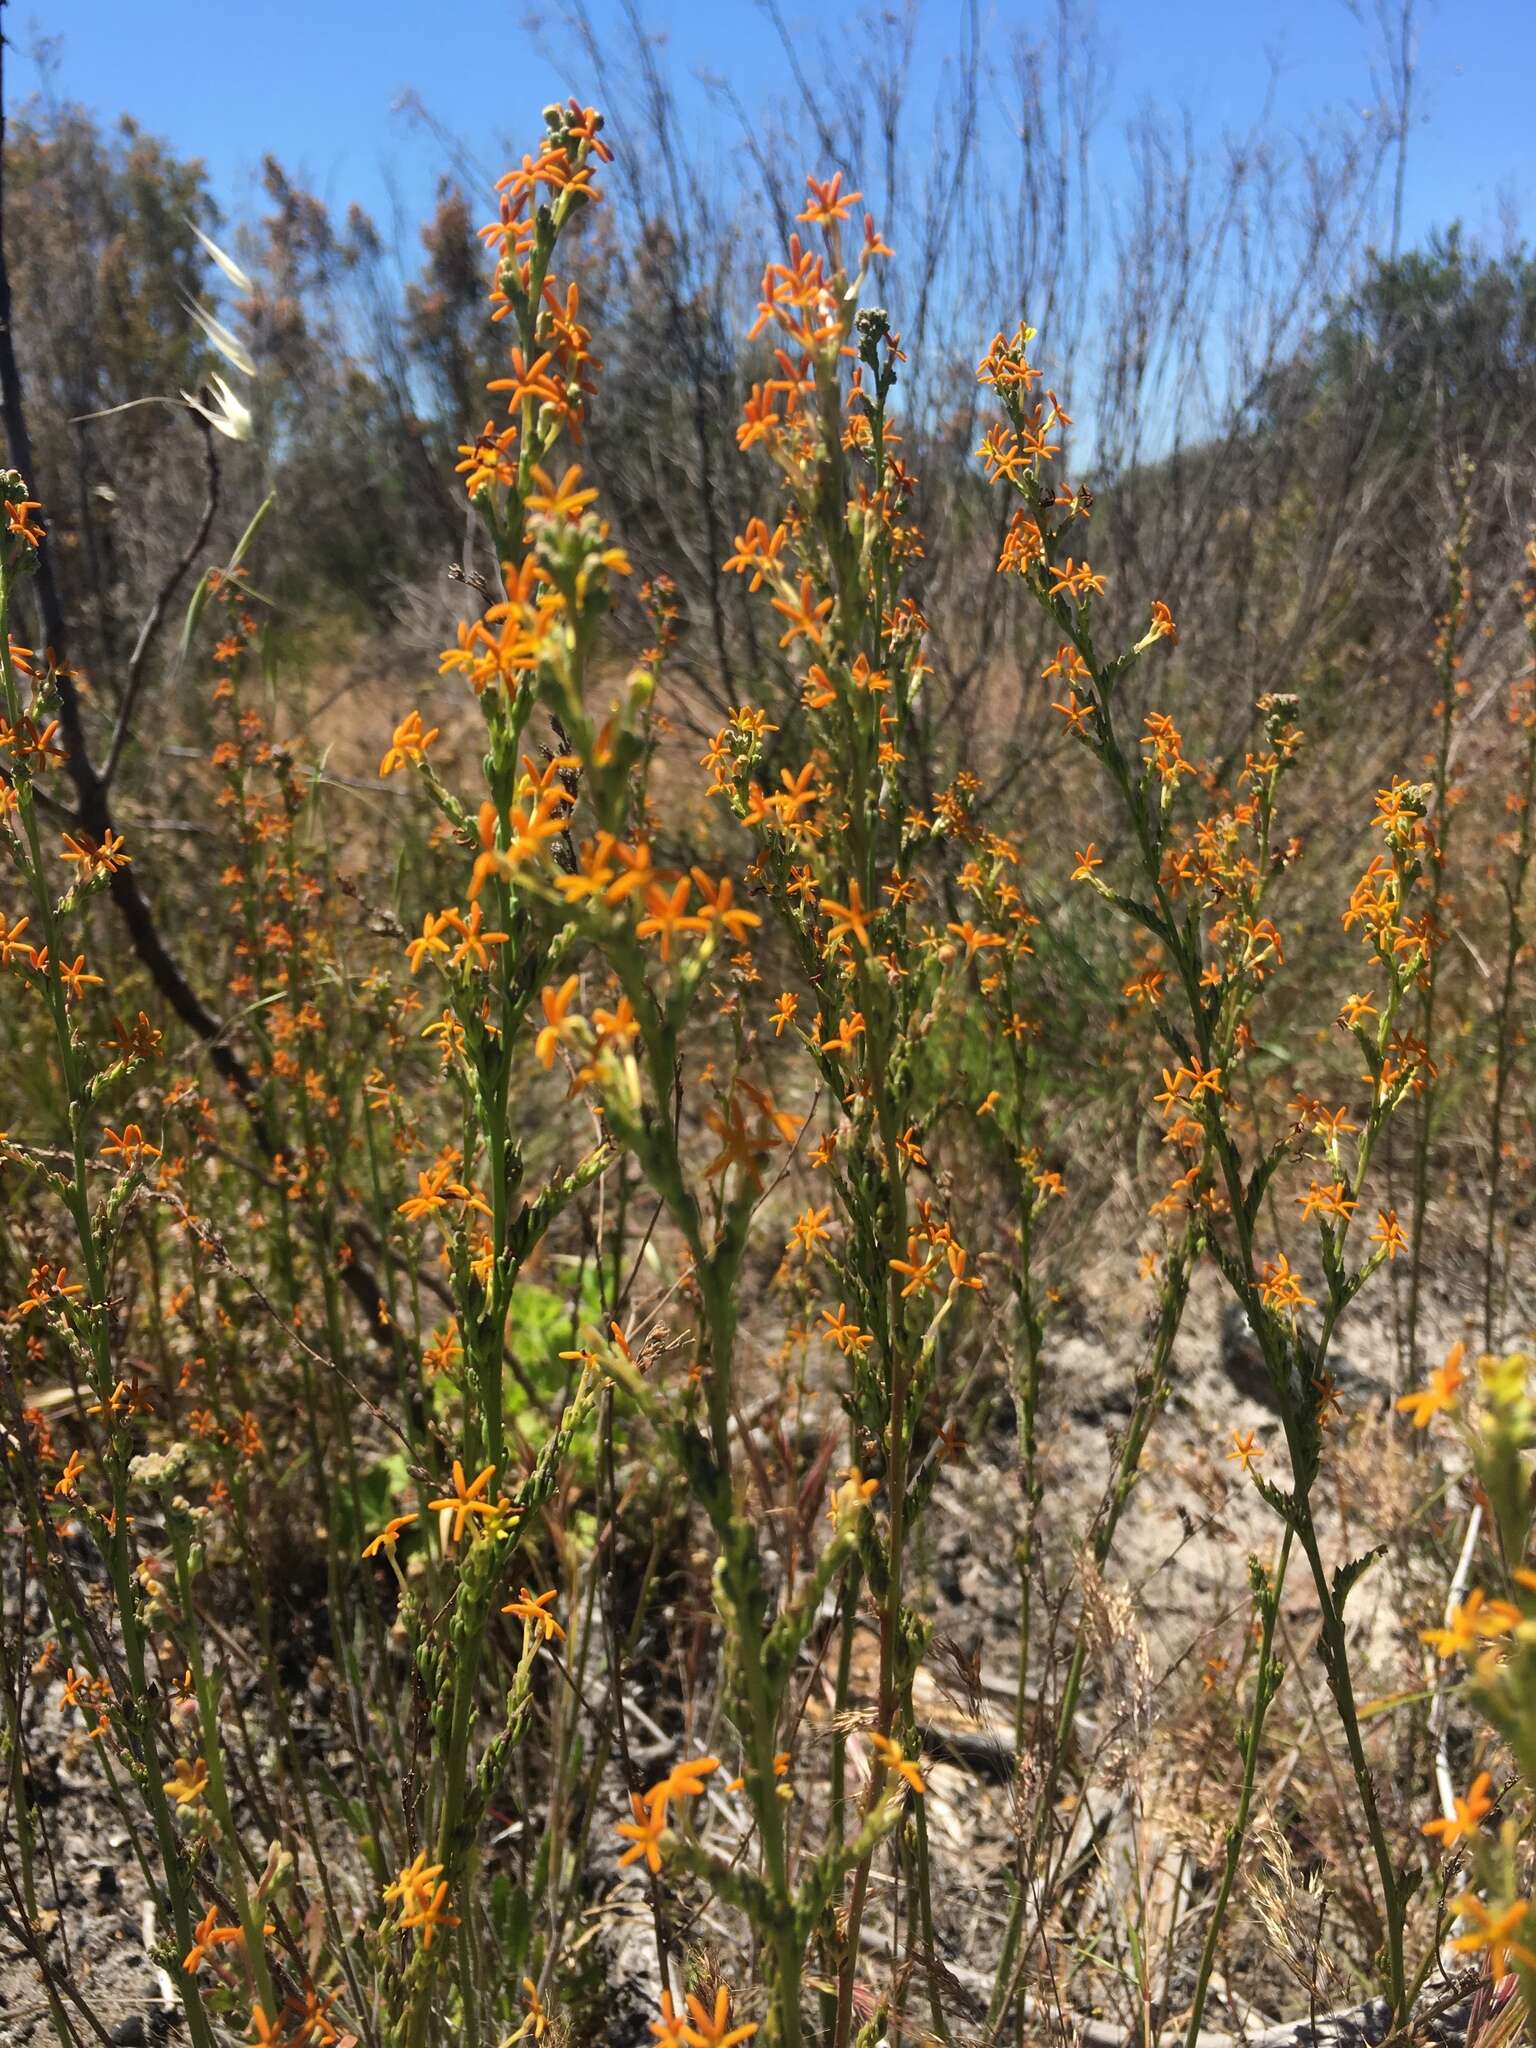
(199, 597)
(1349, 1575)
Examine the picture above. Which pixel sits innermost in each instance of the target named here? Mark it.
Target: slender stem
(1266, 1685)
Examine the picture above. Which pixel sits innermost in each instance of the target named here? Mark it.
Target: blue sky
(319, 82)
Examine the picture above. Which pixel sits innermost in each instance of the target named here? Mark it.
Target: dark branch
(156, 613)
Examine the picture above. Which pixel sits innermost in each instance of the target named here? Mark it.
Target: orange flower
(74, 977)
(408, 745)
(718, 909)
(809, 1229)
(1493, 1931)
(1441, 1392)
(894, 1758)
(853, 1496)
(738, 1145)
(536, 2020)
(710, 2027)
(1068, 664)
(644, 1832)
(414, 1883)
(1389, 1233)
(757, 552)
(444, 1351)
(828, 201)
(389, 1535)
(1245, 1451)
(918, 1272)
(208, 1935)
(11, 943)
(1280, 1286)
(1147, 987)
(473, 948)
(483, 461)
(94, 860)
(533, 1608)
(665, 2029)
(18, 518)
(432, 939)
(558, 1024)
(130, 1145)
(564, 500)
(529, 383)
(428, 1914)
(666, 914)
(683, 1781)
(1074, 579)
(435, 1189)
(466, 1501)
(846, 1335)
(1462, 1825)
(69, 1478)
(806, 616)
(851, 917)
(1474, 1618)
(1326, 1199)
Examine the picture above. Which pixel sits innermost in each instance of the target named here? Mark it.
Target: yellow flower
(855, 1494)
(187, 1782)
(536, 2022)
